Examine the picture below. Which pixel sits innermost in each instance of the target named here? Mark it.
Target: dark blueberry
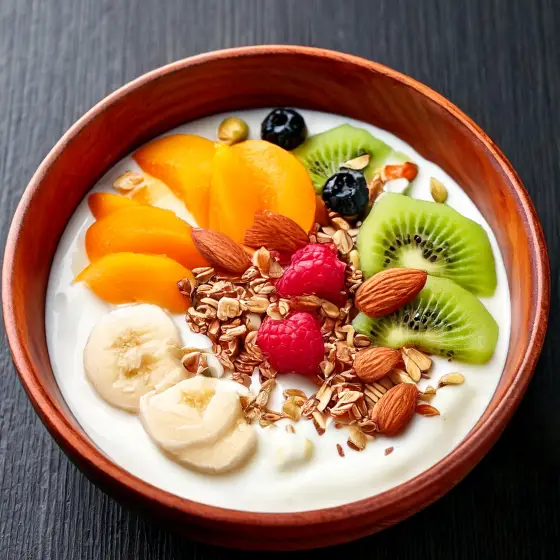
(285, 128)
(346, 192)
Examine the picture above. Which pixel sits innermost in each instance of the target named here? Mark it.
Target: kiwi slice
(403, 232)
(323, 154)
(443, 319)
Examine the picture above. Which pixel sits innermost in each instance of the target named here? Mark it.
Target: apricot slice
(282, 179)
(102, 204)
(132, 277)
(234, 196)
(256, 175)
(184, 163)
(143, 229)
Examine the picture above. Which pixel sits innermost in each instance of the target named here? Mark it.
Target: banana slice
(199, 423)
(189, 413)
(131, 351)
(227, 454)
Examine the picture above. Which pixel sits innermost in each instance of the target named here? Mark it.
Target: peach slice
(283, 181)
(184, 163)
(102, 204)
(133, 277)
(256, 175)
(234, 196)
(143, 229)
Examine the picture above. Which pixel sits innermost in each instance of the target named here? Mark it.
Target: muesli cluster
(352, 384)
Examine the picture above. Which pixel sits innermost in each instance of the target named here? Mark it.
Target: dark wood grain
(496, 60)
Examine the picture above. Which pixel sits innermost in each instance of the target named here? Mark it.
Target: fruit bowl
(250, 78)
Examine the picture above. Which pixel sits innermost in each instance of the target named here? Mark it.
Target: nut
(427, 410)
(438, 190)
(343, 241)
(220, 250)
(389, 290)
(423, 362)
(276, 232)
(395, 408)
(232, 130)
(451, 379)
(376, 362)
(358, 163)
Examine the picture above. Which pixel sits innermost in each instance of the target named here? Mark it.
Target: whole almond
(275, 231)
(395, 408)
(220, 250)
(376, 362)
(389, 290)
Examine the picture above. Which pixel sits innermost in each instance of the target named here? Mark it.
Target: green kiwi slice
(403, 232)
(443, 319)
(323, 154)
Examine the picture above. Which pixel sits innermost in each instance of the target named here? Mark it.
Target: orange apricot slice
(256, 175)
(102, 204)
(136, 278)
(184, 163)
(234, 195)
(282, 179)
(143, 229)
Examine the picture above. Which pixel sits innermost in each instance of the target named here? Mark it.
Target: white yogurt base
(327, 479)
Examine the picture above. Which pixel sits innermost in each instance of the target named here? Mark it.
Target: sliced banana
(227, 454)
(131, 351)
(199, 423)
(189, 413)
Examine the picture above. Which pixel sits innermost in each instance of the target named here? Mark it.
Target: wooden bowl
(264, 77)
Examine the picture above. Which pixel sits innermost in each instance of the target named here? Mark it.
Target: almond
(275, 231)
(427, 410)
(395, 408)
(220, 250)
(405, 170)
(375, 362)
(389, 290)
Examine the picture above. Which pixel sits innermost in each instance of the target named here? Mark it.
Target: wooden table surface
(498, 60)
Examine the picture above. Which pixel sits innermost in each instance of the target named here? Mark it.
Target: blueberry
(346, 192)
(285, 128)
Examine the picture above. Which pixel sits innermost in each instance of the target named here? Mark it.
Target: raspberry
(294, 344)
(314, 270)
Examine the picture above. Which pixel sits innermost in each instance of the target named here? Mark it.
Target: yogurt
(326, 479)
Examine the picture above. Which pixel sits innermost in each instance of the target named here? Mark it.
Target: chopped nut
(330, 309)
(290, 409)
(340, 450)
(423, 362)
(354, 259)
(341, 223)
(290, 428)
(399, 376)
(427, 410)
(343, 241)
(389, 450)
(356, 439)
(451, 379)
(320, 422)
(358, 163)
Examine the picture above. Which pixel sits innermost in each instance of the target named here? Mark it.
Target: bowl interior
(249, 78)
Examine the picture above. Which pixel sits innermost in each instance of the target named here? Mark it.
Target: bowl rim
(416, 492)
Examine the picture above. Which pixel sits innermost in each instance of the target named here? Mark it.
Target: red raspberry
(314, 270)
(294, 344)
